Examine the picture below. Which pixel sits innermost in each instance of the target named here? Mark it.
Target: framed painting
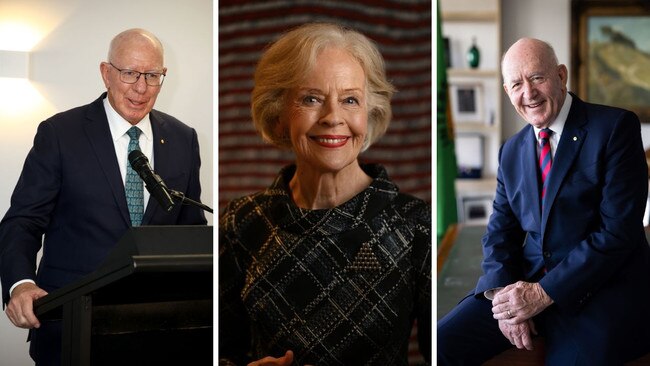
(466, 102)
(610, 53)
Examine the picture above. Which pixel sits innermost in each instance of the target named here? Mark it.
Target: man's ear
(104, 70)
(563, 73)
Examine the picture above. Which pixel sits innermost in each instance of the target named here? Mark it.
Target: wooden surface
(447, 243)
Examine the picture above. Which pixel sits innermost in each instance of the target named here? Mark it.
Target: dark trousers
(468, 335)
(45, 343)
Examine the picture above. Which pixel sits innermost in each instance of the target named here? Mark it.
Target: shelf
(476, 187)
(479, 127)
(470, 16)
(466, 23)
(455, 72)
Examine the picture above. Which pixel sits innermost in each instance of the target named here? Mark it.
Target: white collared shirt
(556, 126)
(119, 126)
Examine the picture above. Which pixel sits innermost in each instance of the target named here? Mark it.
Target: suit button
(547, 254)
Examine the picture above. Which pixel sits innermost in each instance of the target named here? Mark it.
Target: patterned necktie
(545, 159)
(133, 184)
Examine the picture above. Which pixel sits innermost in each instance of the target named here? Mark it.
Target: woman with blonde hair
(331, 264)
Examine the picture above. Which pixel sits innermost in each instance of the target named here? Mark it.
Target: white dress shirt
(557, 126)
(119, 126)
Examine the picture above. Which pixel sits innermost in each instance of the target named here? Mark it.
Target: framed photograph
(469, 154)
(610, 53)
(467, 102)
(476, 210)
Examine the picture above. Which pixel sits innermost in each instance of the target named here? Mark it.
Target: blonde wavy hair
(286, 63)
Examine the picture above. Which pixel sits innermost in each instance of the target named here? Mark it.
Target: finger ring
(509, 315)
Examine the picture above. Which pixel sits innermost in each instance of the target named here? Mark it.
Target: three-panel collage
(252, 182)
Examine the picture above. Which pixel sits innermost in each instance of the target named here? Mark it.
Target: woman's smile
(330, 141)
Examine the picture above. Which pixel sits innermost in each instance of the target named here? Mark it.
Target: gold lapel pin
(162, 141)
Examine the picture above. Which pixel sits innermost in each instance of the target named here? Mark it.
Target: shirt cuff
(18, 283)
(489, 294)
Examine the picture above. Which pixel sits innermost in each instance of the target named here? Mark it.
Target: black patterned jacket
(339, 286)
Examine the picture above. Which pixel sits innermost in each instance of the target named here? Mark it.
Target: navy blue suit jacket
(71, 191)
(589, 237)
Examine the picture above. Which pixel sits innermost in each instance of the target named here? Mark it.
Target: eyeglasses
(132, 77)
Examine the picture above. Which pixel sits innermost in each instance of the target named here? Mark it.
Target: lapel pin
(162, 141)
(575, 138)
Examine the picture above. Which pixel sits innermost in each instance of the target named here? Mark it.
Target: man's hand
(519, 334)
(519, 302)
(272, 361)
(20, 309)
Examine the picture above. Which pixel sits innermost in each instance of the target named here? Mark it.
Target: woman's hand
(285, 360)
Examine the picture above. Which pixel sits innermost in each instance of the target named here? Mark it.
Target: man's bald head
(534, 82)
(134, 37)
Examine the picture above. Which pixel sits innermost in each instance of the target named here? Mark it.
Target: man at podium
(77, 194)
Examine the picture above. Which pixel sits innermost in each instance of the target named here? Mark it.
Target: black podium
(150, 303)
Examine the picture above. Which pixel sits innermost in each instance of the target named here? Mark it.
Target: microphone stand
(180, 196)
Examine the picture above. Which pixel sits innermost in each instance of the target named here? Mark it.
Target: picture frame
(610, 53)
(470, 156)
(466, 102)
(476, 210)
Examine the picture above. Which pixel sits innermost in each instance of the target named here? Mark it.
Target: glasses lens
(154, 79)
(129, 76)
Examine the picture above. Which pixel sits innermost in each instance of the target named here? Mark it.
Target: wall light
(14, 64)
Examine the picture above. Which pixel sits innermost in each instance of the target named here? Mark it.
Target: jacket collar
(568, 149)
(99, 136)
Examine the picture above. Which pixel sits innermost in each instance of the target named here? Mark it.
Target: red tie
(545, 156)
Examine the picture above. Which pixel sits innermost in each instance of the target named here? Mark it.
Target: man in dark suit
(71, 193)
(565, 253)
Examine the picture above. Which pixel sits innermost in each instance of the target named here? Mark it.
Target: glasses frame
(146, 75)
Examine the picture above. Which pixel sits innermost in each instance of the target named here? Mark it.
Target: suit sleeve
(32, 203)
(617, 227)
(502, 242)
(191, 215)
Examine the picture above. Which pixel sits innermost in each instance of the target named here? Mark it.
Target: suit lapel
(161, 158)
(530, 172)
(567, 150)
(99, 136)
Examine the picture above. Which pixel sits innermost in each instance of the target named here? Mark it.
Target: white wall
(74, 38)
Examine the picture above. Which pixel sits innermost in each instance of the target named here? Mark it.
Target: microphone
(153, 182)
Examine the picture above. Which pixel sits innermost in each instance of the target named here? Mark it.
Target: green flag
(446, 157)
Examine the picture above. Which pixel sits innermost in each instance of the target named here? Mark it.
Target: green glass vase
(473, 55)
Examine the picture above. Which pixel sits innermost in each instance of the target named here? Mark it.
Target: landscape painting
(611, 54)
(619, 62)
